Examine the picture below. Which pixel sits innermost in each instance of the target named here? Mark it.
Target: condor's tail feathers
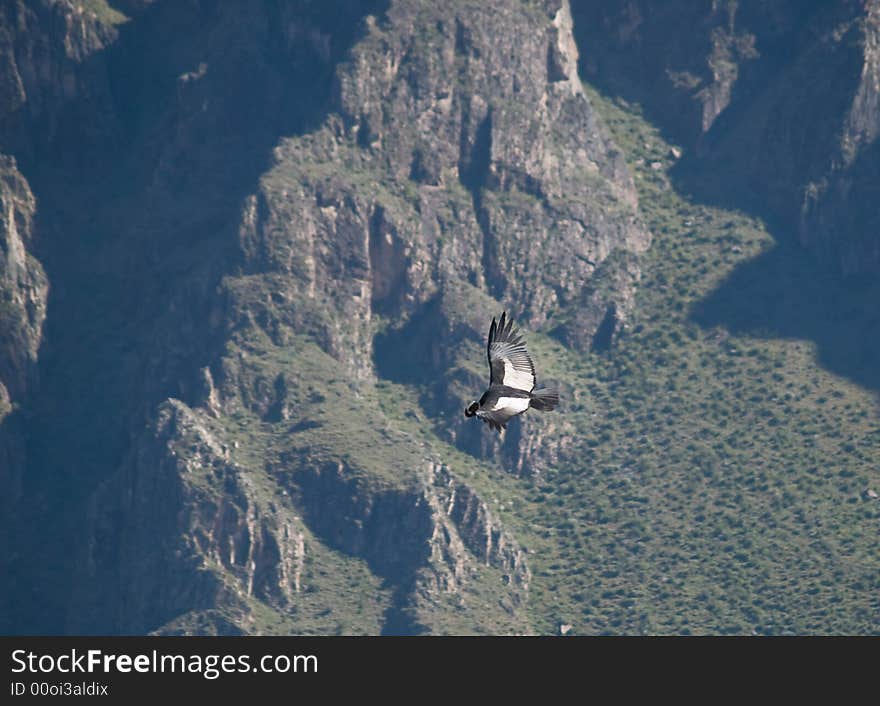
(545, 399)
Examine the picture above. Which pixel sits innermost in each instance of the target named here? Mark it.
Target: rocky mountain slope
(250, 251)
(236, 215)
(778, 101)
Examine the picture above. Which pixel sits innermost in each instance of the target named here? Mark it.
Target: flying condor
(512, 388)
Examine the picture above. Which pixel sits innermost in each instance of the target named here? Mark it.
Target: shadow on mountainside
(784, 293)
(788, 291)
(139, 181)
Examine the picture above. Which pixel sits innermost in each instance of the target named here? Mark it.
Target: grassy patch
(104, 11)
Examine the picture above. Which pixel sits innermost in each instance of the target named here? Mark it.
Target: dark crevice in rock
(399, 617)
(461, 38)
(555, 67)
(363, 134)
(279, 409)
(388, 264)
(398, 354)
(474, 170)
(605, 333)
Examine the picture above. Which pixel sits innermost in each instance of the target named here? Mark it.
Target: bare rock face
(167, 484)
(462, 156)
(463, 520)
(23, 285)
(682, 58)
(48, 59)
(23, 294)
(839, 214)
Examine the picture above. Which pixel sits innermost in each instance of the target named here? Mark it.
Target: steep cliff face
(685, 60)
(831, 163)
(550, 193)
(23, 286)
(776, 101)
(42, 49)
(23, 292)
(456, 157)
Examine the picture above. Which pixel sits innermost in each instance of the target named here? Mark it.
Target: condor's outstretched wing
(509, 361)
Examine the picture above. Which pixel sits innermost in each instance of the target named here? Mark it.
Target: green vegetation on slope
(103, 11)
(720, 487)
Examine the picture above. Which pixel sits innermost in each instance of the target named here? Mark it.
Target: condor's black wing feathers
(509, 361)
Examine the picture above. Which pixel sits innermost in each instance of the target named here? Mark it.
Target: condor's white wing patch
(509, 361)
(503, 410)
(511, 405)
